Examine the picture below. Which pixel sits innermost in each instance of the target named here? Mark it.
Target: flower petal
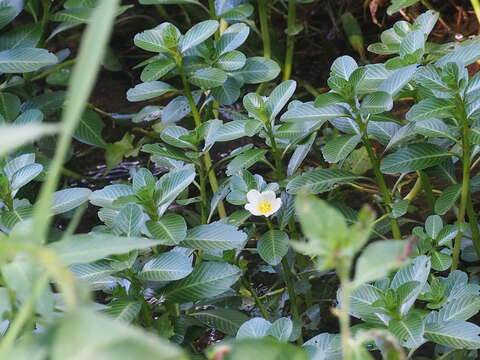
(253, 208)
(253, 196)
(268, 196)
(276, 205)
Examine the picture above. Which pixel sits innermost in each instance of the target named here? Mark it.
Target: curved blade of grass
(83, 77)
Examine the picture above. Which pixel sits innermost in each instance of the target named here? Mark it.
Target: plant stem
(44, 21)
(287, 273)
(343, 314)
(276, 154)
(382, 185)
(465, 190)
(203, 193)
(22, 317)
(264, 29)
(463, 195)
(53, 69)
(427, 188)
(257, 300)
(292, 17)
(198, 121)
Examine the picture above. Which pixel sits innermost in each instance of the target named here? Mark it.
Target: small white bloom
(262, 204)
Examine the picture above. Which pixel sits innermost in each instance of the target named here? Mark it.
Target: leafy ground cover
(234, 179)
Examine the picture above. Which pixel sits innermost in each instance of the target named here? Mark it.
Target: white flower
(265, 203)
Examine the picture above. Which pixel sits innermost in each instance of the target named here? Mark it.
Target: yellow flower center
(264, 207)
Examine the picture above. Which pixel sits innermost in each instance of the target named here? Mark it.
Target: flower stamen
(264, 207)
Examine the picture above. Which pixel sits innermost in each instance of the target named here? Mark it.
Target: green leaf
(273, 246)
(157, 69)
(258, 70)
(281, 329)
(417, 271)
(163, 151)
(433, 226)
(377, 260)
(300, 153)
(173, 183)
(340, 147)
(89, 130)
(208, 279)
(398, 80)
(124, 310)
(228, 321)
(24, 175)
(106, 196)
(409, 330)
(441, 261)
(17, 163)
(326, 99)
(414, 157)
(256, 106)
(32, 116)
(92, 272)
(266, 348)
(172, 136)
(400, 208)
(435, 128)
(197, 34)
(454, 334)
(239, 12)
(232, 60)
(168, 2)
(22, 60)
(75, 15)
(170, 229)
(307, 112)
(431, 108)
(322, 232)
(160, 39)
(344, 66)
(166, 267)
(68, 199)
(412, 42)
(430, 77)
(460, 309)
(24, 36)
(129, 220)
(376, 103)
(9, 106)
(232, 38)
(326, 345)
(214, 236)
(320, 180)
(48, 103)
(447, 199)
(254, 328)
(13, 136)
(279, 97)
(245, 160)
(228, 92)
(148, 90)
(78, 249)
(178, 108)
(399, 5)
(142, 178)
(208, 78)
(100, 337)
(464, 54)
